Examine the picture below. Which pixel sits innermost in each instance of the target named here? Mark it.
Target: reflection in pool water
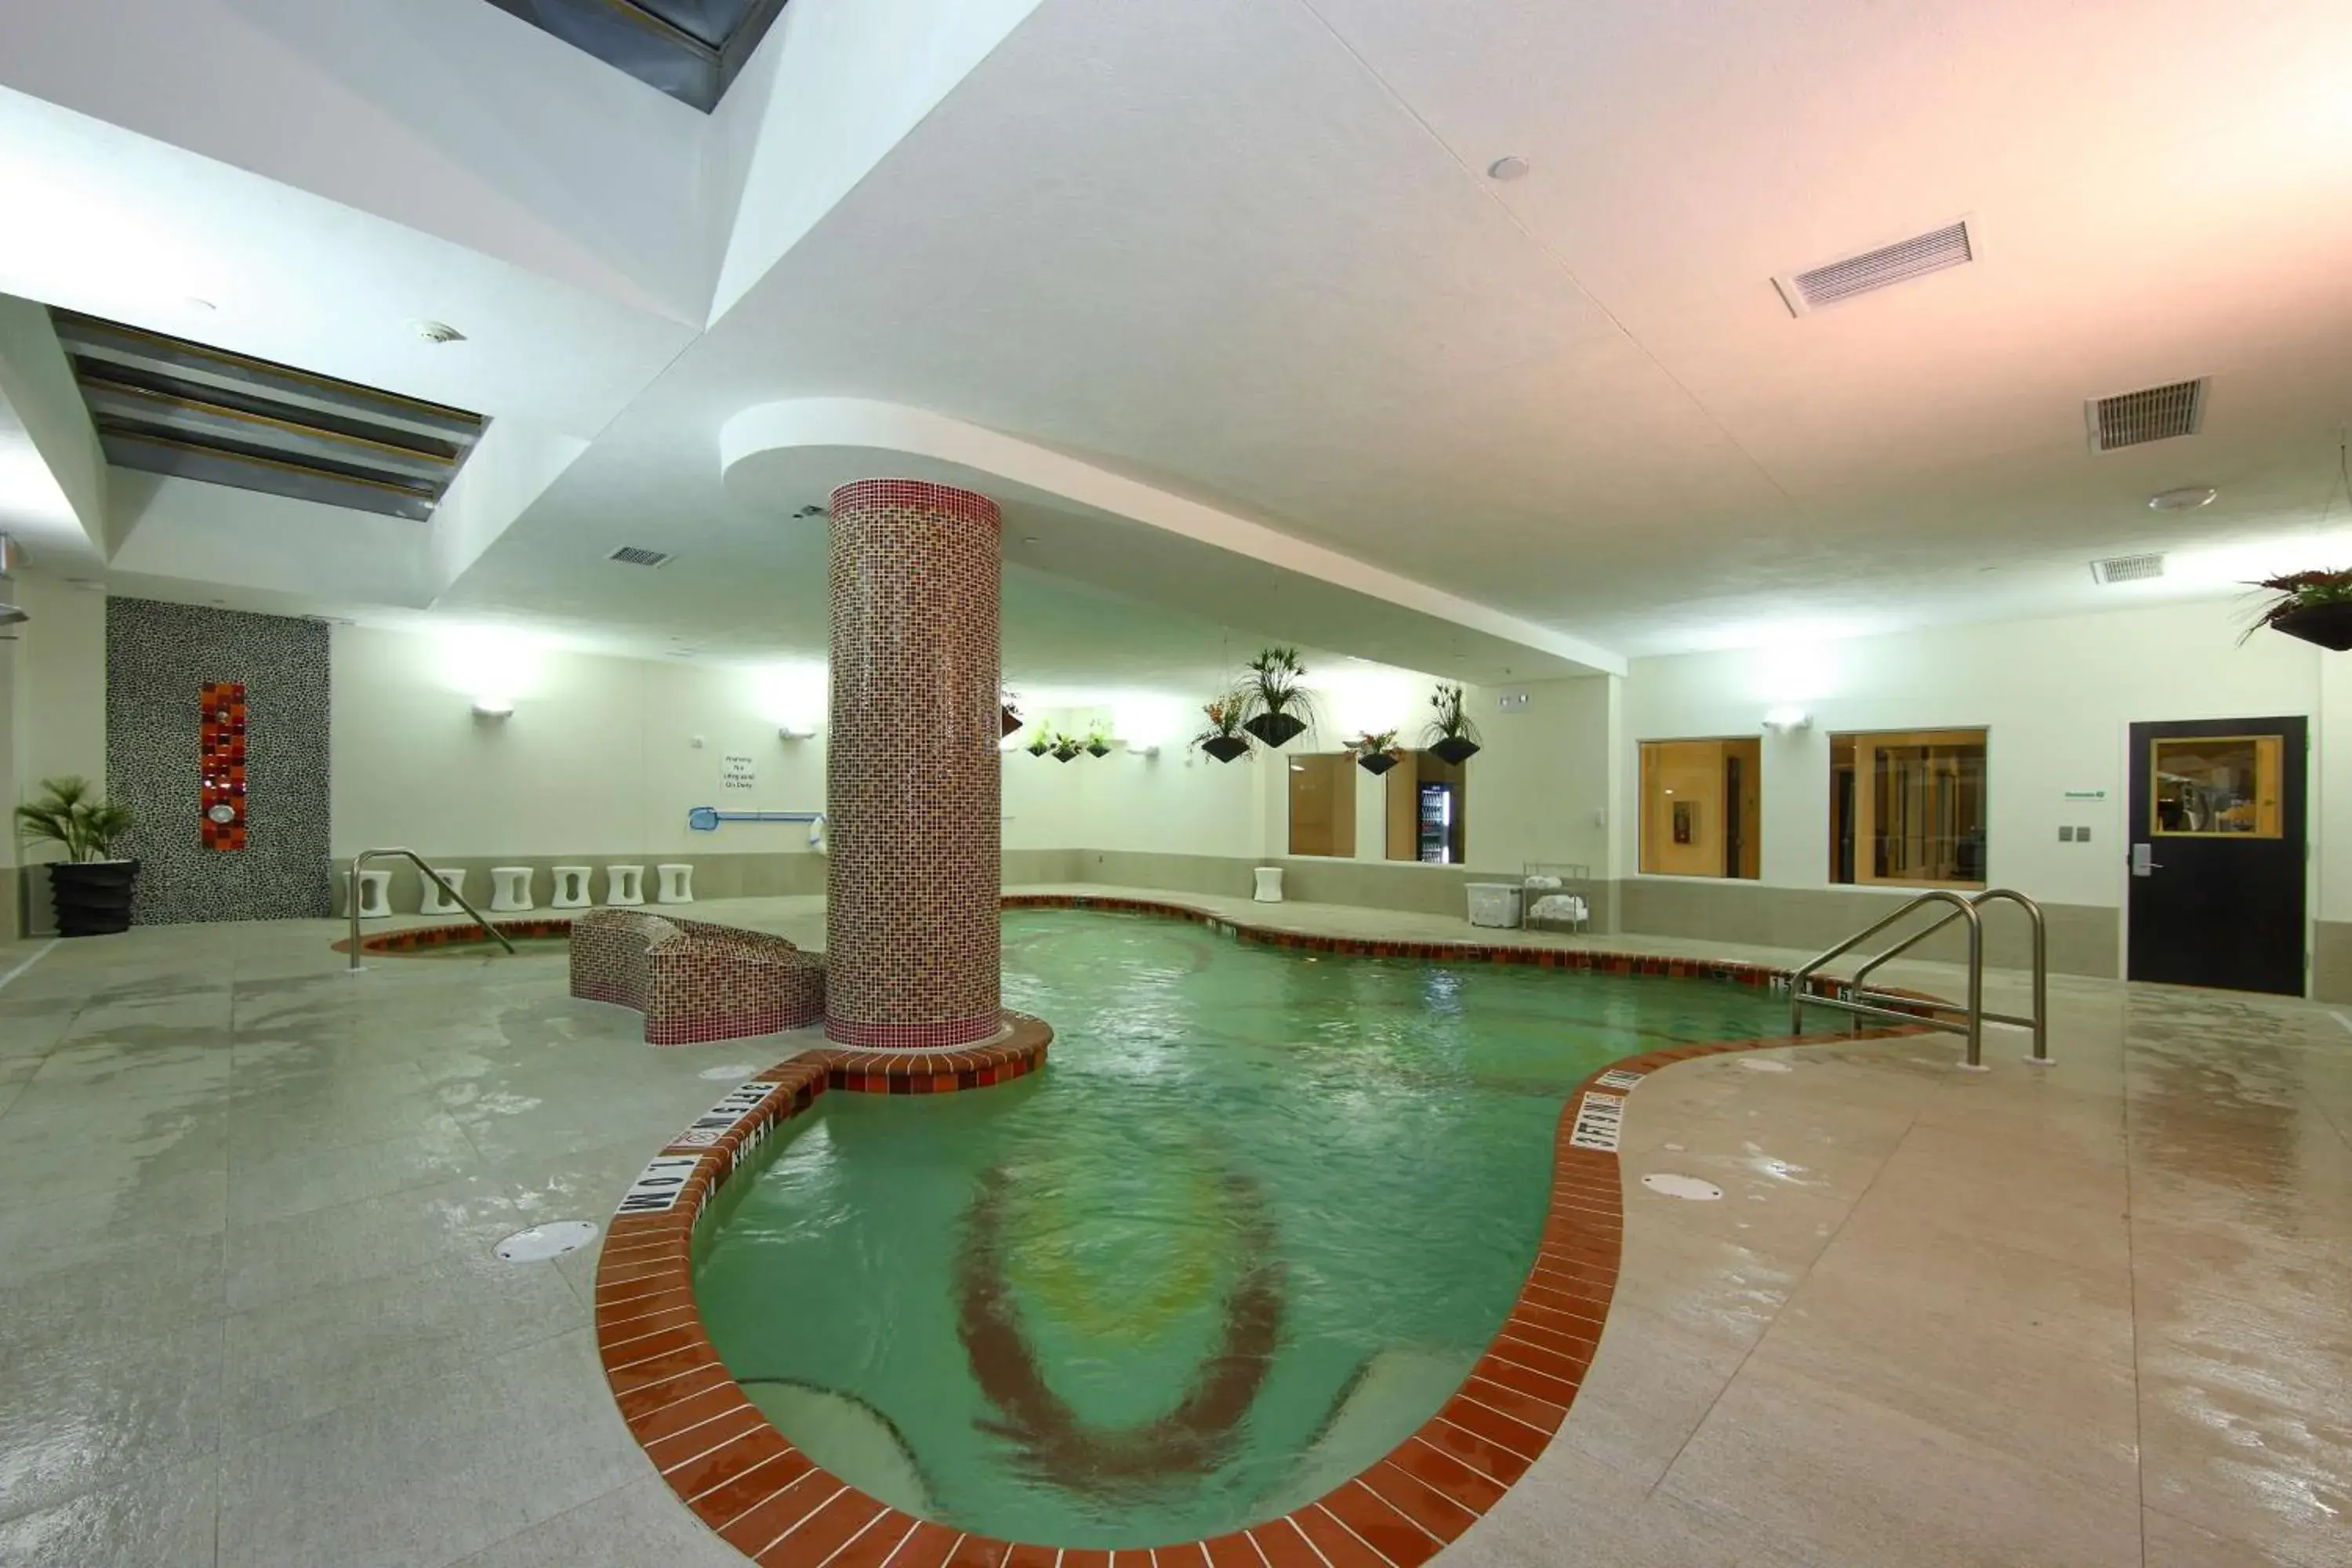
(1250, 1228)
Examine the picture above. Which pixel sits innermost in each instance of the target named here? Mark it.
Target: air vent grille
(635, 556)
(2152, 414)
(2127, 569)
(1952, 246)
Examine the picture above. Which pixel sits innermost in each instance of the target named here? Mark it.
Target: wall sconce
(1787, 719)
(493, 707)
(793, 732)
(1149, 749)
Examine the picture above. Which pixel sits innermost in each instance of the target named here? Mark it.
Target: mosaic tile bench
(694, 981)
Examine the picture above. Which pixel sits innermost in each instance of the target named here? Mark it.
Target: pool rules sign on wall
(221, 764)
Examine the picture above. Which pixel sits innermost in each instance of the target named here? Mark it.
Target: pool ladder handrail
(352, 896)
(1858, 999)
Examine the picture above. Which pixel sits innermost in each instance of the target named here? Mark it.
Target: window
(1908, 807)
(1701, 806)
(1323, 804)
(1428, 810)
(2215, 786)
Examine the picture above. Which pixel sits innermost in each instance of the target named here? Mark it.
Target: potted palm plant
(1451, 735)
(1279, 707)
(1098, 739)
(2314, 606)
(1376, 751)
(1223, 739)
(91, 889)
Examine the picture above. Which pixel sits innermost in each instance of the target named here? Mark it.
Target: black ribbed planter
(93, 897)
(1376, 763)
(2329, 625)
(1275, 729)
(1454, 751)
(1225, 748)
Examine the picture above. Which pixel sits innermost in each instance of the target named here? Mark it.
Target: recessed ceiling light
(2187, 498)
(436, 331)
(1509, 168)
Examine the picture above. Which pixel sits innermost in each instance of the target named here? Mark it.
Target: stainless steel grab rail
(1859, 999)
(352, 896)
(2039, 1020)
(1971, 1024)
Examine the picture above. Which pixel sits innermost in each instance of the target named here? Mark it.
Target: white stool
(509, 888)
(571, 889)
(677, 884)
(435, 902)
(1269, 885)
(625, 886)
(376, 894)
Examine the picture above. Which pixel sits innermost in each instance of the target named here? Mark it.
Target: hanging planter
(1376, 751)
(1040, 742)
(1223, 739)
(1008, 719)
(1275, 729)
(1450, 736)
(1276, 706)
(1098, 743)
(1065, 747)
(2316, 606)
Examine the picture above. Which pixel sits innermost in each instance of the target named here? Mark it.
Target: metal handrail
(1971, 1025)
(2039, 1020)
(352, 896)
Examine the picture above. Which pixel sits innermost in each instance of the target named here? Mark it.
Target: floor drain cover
(1766, 1063)
(729, 1074)
(1689, 1187)
(541, 1242)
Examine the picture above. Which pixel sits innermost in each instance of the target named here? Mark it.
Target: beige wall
(57, 697)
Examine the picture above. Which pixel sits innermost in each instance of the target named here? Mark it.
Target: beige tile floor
(2097, 1314)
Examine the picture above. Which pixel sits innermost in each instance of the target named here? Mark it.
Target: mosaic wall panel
(912, 768)
(160, 659)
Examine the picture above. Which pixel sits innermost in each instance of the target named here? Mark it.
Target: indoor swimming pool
(1251, 1228)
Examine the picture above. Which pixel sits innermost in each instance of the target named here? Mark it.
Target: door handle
(2143, 859)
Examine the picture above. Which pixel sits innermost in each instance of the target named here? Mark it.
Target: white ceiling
(1245, 251)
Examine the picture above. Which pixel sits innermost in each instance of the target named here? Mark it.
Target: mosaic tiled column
(911, 769)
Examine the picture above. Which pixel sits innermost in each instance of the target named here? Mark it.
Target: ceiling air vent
(1882, 269)
(2155, 413)
(2127, 569)
(631, 555)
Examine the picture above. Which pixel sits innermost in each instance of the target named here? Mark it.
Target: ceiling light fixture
(2187, 498)
(436, 331)
(1507, 169)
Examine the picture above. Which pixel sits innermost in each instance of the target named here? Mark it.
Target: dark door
(2216, 822)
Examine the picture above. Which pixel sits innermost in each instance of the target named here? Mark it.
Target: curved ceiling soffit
(756, 445)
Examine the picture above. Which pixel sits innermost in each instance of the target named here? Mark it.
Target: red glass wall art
(222, 765)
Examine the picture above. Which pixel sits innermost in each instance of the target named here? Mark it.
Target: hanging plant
(2314, 606)
(1098, 740)
(1223, 739)
(1376, 751)
(1451, 735)
(1065, 747)
(1008, 715)
(1277, 706)
(1040, 742)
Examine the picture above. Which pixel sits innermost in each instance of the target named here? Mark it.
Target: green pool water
(1249, 1228)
